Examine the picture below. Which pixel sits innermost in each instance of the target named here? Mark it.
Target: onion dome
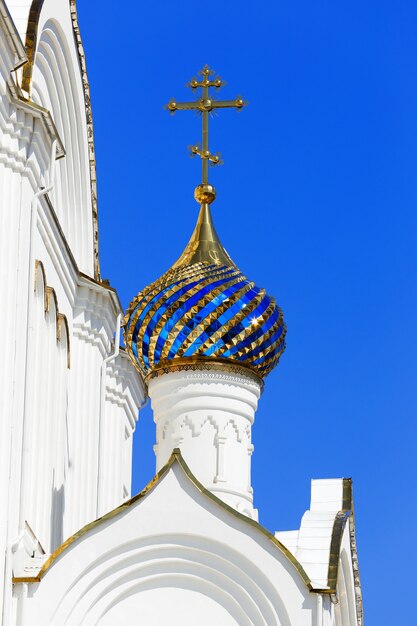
(203, 310)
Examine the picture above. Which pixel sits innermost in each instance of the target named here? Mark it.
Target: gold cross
(205, 104)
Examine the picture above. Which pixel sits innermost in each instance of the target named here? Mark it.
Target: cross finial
(205, 104)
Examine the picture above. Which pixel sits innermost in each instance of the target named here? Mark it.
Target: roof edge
(344, 516)
(337, 534)
(355, 565)
(176, 457)
(90, 133)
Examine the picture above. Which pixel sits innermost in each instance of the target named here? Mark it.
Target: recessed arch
(200, 586)
(77, 72)
(39, 281)
(172, 560)
(51, 300)
(63, 335)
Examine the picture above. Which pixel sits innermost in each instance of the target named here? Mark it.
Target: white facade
(188, 549)
(60, 445)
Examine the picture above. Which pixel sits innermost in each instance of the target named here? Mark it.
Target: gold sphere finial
(205, 193)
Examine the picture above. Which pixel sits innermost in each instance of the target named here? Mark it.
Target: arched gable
(175, 535)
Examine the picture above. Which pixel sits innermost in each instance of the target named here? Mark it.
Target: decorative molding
(38, 112)
(209, 370)
(90, 134)
(30, 43)
(176, 424)
(195, 429)
(355, 564)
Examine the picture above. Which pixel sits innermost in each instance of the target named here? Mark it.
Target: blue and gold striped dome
(204, 310)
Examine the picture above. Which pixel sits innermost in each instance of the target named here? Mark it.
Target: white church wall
(21, 159)
(216, 607)
(40, 472)
(97, 434)
(91, 311)
(45, 428)
(19, 10)
(122, 397)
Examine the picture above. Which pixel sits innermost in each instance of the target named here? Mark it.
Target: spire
(204, 245)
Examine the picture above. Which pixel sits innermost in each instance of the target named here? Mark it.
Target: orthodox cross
(205, 104)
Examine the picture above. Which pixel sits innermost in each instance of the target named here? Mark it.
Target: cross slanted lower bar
(205, 104)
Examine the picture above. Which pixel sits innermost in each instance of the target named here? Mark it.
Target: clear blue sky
(316, 202)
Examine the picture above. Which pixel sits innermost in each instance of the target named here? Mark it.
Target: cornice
(216, 369)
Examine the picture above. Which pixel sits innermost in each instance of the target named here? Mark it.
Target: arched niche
(211, 579)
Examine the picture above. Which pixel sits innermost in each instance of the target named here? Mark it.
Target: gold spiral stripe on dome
(244, 333)
(231, 323)
(183, 298)
(255, 344)
(213, 278)
(212, 317)
(263, 338)
(143, 298)
(274, 361)
(167, 279)
(208, 319)
(151, 290)
(269, 349)
(154, 291)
